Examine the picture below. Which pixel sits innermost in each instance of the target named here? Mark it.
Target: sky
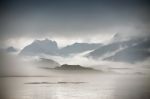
(68, 21)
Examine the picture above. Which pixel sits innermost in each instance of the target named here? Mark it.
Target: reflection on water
(93, 86)
(54, 82)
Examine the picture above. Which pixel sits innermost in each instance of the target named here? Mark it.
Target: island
(74, 68)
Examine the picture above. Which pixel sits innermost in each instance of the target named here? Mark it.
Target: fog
(31, 65)
(66, 32)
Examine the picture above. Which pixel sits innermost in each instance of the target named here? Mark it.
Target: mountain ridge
(50, 47)
(132, 51)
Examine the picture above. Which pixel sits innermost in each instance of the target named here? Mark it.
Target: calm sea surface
(73, 86)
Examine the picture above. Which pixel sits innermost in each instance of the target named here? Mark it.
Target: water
(70, 86)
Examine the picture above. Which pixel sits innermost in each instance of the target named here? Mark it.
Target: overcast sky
(68, 21)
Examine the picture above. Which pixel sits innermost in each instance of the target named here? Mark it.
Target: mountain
(49, 47)
(117, 37)
(40, 47)
(72, 67)
(78, 48)
(106, 49)
(130, 51)
(138, 52)
(11, 49)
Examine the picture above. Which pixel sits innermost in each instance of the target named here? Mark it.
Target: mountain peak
(50, 47)
(40, 47)
(44, 41)
(116, 37)
(11, 49)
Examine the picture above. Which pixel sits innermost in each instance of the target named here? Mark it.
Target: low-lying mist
(15, 65)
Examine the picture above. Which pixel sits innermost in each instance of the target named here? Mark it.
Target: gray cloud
(70, 18)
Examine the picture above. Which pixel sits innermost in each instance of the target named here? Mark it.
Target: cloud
(73, 19)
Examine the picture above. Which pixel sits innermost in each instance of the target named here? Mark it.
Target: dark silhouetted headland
(74, 67)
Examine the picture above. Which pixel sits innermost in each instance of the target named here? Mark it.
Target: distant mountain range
(131, 51)
(132, 54)
(78, 48)
(50, 48)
